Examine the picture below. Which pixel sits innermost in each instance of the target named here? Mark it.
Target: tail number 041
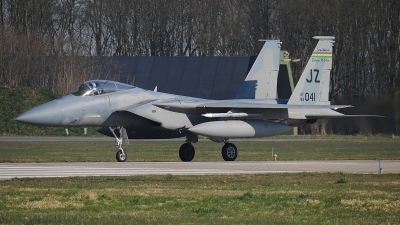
(316, 80)
(308, 97)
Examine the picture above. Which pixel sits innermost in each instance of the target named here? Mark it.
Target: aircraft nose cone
(48, 114)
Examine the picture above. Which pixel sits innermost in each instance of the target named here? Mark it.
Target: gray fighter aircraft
(128, 112)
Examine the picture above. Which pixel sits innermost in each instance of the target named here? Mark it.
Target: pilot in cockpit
(96, 88)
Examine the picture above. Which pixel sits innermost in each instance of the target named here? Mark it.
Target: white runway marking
(21, 170)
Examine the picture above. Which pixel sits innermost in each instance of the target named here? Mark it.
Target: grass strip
(347, 148)
(306, 198)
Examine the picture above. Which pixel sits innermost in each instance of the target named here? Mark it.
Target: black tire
(121, 156)
(186, 152)
(229, 152)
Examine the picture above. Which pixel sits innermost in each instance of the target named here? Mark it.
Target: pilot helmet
(94, 86)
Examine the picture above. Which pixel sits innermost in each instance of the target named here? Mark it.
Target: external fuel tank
(240, 129)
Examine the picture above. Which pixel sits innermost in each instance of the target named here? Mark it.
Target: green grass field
(227, 199)
(338, 148)
(305, 198)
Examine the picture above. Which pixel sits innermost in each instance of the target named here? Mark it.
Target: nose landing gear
(121, 155)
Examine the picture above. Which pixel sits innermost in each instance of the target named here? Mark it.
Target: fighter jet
(128, 112)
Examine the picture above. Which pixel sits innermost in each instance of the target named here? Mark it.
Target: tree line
(56, 43)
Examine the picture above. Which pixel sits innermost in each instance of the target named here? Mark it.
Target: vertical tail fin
(313, 86)
(261, 81)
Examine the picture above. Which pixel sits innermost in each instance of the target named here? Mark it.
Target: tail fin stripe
(321, 55)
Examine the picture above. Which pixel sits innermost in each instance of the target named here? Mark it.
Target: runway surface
(22, 170)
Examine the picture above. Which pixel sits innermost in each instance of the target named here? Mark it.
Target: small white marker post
(379, 167)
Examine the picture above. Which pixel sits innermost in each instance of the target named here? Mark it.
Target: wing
(185, 112)
(268, 109)
(180, 105)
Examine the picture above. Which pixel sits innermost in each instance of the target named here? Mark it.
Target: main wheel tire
(121, 156)
(186, 152)
(229, 152)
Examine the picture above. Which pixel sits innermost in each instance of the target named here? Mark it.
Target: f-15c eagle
(128, 112)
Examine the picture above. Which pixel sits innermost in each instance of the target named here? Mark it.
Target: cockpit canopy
(98, 87)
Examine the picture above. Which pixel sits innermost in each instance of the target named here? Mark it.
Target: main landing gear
(121, 155)
(187, 152)
(229, 152)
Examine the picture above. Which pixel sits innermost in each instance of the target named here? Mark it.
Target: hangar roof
(202, 77)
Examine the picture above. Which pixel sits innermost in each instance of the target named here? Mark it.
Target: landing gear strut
(123, 137)
(229, 152)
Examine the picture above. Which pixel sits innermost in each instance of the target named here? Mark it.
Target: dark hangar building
(203, 77)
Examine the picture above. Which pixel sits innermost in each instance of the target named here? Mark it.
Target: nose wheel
(121, 155)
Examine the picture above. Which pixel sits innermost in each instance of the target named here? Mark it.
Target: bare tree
(95, 20)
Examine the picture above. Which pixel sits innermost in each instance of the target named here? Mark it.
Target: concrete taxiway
(23, 170)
